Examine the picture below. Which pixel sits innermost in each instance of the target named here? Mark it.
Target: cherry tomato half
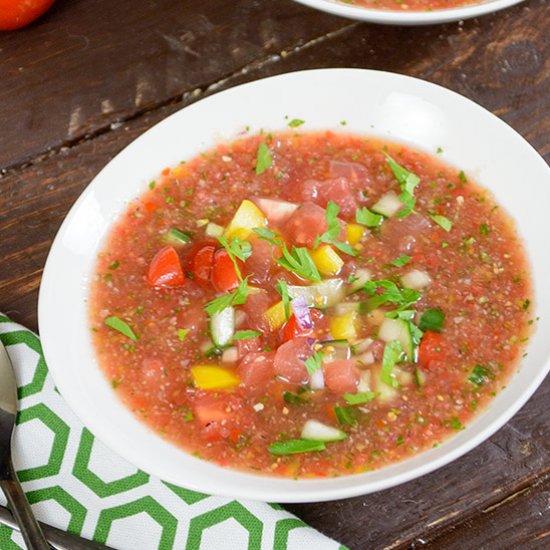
(431, 349)
(15, 14)
(293, 330)
(165, 269)
(224, 275)
(202, 263)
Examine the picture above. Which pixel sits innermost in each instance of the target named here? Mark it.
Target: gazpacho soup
(410, 5)
(310, 304)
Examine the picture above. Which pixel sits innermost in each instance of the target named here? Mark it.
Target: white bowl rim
(252, 486)
(396, 17)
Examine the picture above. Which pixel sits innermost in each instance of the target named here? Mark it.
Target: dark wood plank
(521, 521)
(501, 61)
(85, 65)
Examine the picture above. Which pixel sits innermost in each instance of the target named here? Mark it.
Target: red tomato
(224, 275)
(292, 329)
(431, 349)
(201, 264)
(290, 360)
(15, 14)
(165, 269)
(256, 369)
(341, 376)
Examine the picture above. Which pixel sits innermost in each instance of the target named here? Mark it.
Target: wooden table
(80, 84)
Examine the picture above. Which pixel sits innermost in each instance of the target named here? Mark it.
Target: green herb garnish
(293, 399)
(238, 297)
(408, 181)
(178, 237)
(462, 176)
(367, 218)
(182, 333)
(359, 398)
(121, 326)
(294, 446)
(480, 374)
(393, 352)
(391, 294)
(114, 265)
(432, 319)
(455, 423)
(314, 362)
(330, 236)
(401, 261)
(346, 415)
(299, 261)
(267, 235)
(282, 288)
(442, 221)
(295, 122)
(484, 229)
(245, 334)
(263, 159)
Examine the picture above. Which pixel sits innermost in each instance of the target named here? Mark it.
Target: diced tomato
(256, 305)
(259, 264)
(403, 234)
(305, 224)
(337, 190)
(431, 349)
(249, 345)
(201, 264)
(290, 360)
(352, 171)
(292, 329)
(165, 269)
(256, 369)
(224, 275)
(341, 376)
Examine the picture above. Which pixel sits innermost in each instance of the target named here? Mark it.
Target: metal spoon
(19, 505)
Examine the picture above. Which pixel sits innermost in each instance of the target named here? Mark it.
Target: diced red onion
(317, 380)
(301, 312)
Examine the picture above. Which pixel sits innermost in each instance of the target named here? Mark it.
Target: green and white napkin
(75, 483)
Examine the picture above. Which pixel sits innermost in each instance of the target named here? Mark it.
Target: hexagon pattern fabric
(75, 483)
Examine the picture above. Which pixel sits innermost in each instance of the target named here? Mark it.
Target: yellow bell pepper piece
(327, 260)
(275, 316)
(342, 327)
(354, 233)
(211, 377)
(247, 217)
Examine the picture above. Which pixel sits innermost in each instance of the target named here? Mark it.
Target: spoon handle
(21, 510)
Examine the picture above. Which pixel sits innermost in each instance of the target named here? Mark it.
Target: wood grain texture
(77, 60)
(86, 65)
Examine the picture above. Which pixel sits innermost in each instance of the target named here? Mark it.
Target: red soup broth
(415, 308)
(410, 5)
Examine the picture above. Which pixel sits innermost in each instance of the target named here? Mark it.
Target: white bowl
(401, 17)
(391, 106)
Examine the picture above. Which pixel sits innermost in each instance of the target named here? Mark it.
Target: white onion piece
(416, 280)
(324, 294)
(365, 358)
(362, 345)
(317, 431)
(214, 230)
(388, 205)
(230, 355)
(364, 382)
(317, 380)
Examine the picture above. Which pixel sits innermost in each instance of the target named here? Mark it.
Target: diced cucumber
(398, 329)
(384, 392)
(321, 295)
(214, 230)
(175, 236)
(222, 326)
(419, 377)
(317, 431)
(335, 350)
(404, 377)
(364, 385)
(346, 307)
(388, 205)
(361, 346)
(362, 276)
(416, 280)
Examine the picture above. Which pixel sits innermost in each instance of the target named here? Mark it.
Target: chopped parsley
(408, 181)
(114, 265)
(455, 423)
(484, 229)
(359, 398)
(182, 333)
(121, 326)
(346, 416)
(293, 399)
(314, 362)
(391, 294)
(462, 176)
(526, 304)
(332, 232)
(295, 122)
(267, 235)
(238, 297)
(432, 319)
(282, 288)
(480, 374)
(401, 261)
(299, 261)
(294, 446)
(367, 218)
(263, 159)
(442, 221)
(245, 334)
